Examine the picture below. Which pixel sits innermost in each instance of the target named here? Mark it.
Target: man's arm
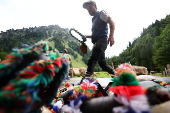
(112, 29)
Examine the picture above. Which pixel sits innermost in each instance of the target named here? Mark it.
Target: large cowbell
(83, 48)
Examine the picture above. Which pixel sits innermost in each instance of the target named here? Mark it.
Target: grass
(102, 75)
(158, 74)
(105, 75)
(77, 77)
(98, 75)
(77, 63)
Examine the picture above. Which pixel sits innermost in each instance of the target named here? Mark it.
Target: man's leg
(101, 59)
(98, 49)
(95, 56)
(96, 53)
(91, 63)
(104, 65)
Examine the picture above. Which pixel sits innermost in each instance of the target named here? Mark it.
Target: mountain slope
(57, 38)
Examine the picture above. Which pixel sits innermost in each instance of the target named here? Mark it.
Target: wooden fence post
(168, 70)
(164, 73)
(113, 66)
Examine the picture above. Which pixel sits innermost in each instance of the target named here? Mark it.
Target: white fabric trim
(104, 16)
(138, 103)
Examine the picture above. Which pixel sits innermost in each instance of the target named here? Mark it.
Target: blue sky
(130, 16)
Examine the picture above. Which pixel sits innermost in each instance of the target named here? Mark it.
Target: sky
(129, 16)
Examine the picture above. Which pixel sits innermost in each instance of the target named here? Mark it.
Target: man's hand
(111, 40)
(112, 29)
(88, 36)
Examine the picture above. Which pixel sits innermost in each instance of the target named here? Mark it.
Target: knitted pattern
(87, 89)
(15, 58)
(161, 92)
(21, 90)
(128, 92)
(162, 83)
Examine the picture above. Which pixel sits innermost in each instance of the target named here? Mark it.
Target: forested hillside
(151, 49)
(56, 37)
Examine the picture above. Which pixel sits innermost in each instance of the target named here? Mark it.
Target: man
(99, 37)
(68, 58)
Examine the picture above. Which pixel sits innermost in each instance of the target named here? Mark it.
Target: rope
(83, 36)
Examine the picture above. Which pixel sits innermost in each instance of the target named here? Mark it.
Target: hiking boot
(110, 70)
(85, 75)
